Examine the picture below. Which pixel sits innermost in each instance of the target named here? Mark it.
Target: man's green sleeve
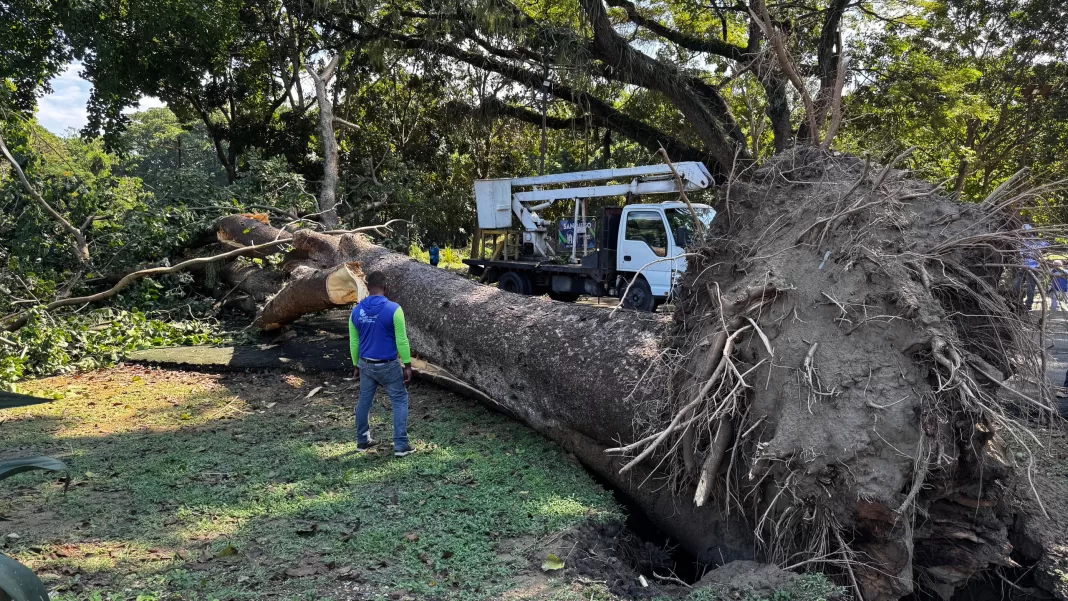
(354, 342)
(400, 332)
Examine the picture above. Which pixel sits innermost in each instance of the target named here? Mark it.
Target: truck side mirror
(682, 237)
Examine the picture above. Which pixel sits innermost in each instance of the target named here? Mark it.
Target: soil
(749, 576)
(612, 554)
(1040, 532)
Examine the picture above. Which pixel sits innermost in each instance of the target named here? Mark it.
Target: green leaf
(552, 563)
(17, 466)
(19, 582)
(10, 400)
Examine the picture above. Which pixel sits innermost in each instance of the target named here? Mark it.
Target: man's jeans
(391, 376)
(1025, 285)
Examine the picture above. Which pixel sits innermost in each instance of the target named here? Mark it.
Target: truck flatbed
(539, 266)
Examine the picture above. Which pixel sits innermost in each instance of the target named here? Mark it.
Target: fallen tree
(831, 392)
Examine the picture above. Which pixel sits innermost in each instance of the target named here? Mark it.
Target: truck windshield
(680, 218)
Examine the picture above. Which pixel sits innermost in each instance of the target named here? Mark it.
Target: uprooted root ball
(838, 373)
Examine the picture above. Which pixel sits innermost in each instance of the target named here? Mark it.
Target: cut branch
(144, 273)
(313, 290)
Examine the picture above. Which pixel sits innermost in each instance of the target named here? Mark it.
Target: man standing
(378, 339)
(1027, 277)
(435, 254)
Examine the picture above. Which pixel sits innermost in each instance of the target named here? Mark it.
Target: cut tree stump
(313, 290)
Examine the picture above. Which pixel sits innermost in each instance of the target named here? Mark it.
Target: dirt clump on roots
(836, 374)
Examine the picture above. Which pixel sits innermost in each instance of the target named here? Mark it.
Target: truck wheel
(490, 276)
(640, 296)
(564, 297)
(514, 282)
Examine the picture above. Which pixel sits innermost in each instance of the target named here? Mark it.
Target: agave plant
(17, 582)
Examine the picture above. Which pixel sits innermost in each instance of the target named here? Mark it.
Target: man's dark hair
(376, 280)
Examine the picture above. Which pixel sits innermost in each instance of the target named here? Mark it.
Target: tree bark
(250, 230)
(565, 370)
(328, 187)
(258, 283)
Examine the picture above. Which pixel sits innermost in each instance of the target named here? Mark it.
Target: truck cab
(652, 240)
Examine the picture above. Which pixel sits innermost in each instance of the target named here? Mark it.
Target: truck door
(643, 240)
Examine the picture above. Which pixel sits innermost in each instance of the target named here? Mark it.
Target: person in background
(435, 253)
(382, 356)
(1026, 281)
(1058, 284)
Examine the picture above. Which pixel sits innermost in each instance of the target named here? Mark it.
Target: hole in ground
(646, 548)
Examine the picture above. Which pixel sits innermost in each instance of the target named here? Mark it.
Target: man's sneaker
(407, 450)
(363, 446)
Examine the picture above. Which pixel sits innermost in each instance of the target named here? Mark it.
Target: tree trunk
(565, 370)
(328, 187)
(249, 230)
(258, 283)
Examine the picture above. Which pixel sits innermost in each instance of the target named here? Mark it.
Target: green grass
(186, 486)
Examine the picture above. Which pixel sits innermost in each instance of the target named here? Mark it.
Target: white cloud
(62, 112)
(64, 108)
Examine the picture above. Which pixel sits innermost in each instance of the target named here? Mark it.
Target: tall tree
(233, 65)
(976, 85)
(32, 51)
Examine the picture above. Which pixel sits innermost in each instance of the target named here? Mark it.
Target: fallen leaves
(412, 537)
(227, 551)
(552, 563)
(309, 564)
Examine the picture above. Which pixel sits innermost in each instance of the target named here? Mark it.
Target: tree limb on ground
(20, 319)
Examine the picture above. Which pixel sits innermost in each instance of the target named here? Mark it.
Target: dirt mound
(834, 374)
(740, 577)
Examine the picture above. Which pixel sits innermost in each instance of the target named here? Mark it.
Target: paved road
(1057, 361)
